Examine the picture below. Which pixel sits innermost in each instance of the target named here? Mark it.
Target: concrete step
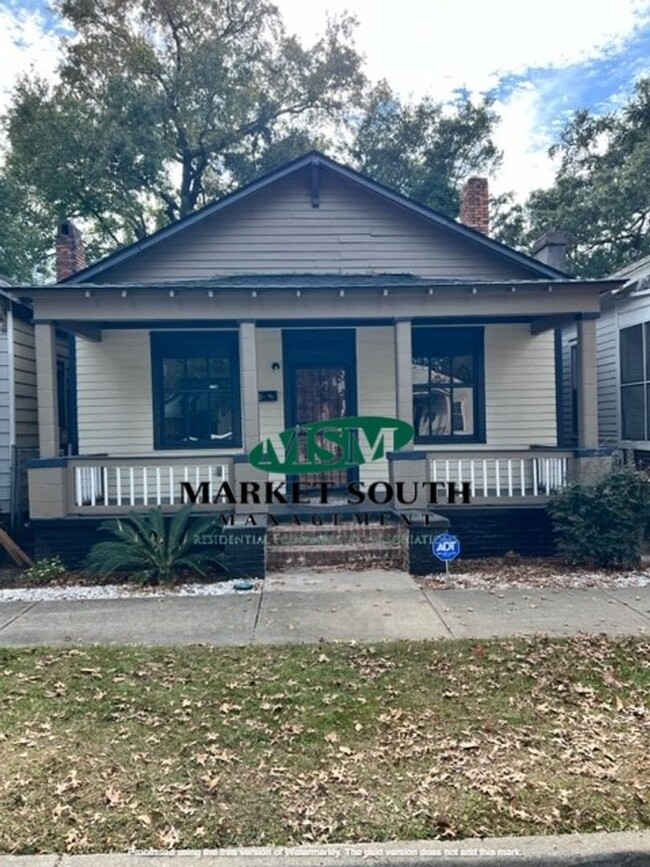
(279, 557)
(334, 535)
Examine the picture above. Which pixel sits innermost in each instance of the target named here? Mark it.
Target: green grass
(102, 749)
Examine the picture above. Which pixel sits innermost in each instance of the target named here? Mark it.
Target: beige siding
(376, 385)
(520, 387)
(278, 231)
(115, 397)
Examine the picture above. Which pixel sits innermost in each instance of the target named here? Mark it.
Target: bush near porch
(603, 524)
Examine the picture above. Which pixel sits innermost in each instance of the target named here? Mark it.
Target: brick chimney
(70, 253)
(474, 205)
(551, 249)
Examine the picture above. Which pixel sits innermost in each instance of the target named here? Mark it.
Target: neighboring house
(18, 414)
(312, 293)
(623, 350)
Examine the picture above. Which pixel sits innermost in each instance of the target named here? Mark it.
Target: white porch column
(587, 384)
(403, 371)
(46, 390)
(249, 395)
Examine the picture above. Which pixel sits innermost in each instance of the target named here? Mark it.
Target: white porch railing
(117, 484)
(503, 474)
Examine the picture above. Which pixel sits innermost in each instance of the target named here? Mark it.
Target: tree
(164, 105)
(425, 150)
(601, 194)
(26, 233)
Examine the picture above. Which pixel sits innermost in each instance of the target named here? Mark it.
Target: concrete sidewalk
(329, 606)
(625, 849)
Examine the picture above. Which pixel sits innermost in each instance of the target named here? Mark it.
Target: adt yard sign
(446, 547)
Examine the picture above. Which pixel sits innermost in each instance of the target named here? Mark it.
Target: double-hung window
(448, 385)
(196, 389)
(635, 382)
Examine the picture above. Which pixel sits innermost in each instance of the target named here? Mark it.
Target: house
(314, 294)
(623, 353)
(18, 414)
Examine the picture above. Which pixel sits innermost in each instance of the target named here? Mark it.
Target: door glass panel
(321, 395)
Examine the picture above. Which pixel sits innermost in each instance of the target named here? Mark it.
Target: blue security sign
(446, 547)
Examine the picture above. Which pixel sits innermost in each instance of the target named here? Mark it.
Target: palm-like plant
(152, 550)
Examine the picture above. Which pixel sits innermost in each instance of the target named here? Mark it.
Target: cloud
(28, 44)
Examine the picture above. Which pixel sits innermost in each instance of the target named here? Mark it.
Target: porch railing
(119, 484)
(498, 475)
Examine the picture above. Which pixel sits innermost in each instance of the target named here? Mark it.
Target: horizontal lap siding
(520, 387)
(607, 365)
(25, 385)
(114, 403)
(278, 231)
(376, 385)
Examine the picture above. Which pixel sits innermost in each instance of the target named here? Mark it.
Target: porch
(104, 486)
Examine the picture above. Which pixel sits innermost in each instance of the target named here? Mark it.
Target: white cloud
(25, 46)
(435, 46)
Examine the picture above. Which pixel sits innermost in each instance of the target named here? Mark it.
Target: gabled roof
(316, 160)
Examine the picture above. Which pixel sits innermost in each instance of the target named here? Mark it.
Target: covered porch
(472, 365)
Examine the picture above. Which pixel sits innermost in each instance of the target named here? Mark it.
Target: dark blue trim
(308, 160)
(32, 463)
(240, 459)
(160, 341)
(559, 390)
(410, 455)
(600, 451)
(343, 322)
(71, 396)
(311, 349)
(466, 341)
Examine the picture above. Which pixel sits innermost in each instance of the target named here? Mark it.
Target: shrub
(151, 549)
(46, 570)
(603, 524)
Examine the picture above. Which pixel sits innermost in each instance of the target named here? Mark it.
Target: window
(635, 382)
(448, 391)
(62, 408)
(196, 390)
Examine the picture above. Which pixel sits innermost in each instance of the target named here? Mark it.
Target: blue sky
(539, 61)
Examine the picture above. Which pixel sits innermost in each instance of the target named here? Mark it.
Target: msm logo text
(335, 444)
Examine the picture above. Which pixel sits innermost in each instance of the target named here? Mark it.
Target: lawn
(107, 748)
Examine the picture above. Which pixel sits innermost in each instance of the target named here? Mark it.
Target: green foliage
(603, 524)
(601, 194)
(425, 150)
(160, 104)
(46, 570)
(26, 231)
(153, 550)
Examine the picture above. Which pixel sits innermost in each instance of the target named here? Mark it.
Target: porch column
(587, 384)
(249, 396)
(403, 374)
(46, 390)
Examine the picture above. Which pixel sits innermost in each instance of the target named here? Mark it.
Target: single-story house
(312, 294)
(623, 364)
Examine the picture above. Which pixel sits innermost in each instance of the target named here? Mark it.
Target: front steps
(348, 544)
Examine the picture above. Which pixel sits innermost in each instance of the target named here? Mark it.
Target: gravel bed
(495, 573)
(118, 591)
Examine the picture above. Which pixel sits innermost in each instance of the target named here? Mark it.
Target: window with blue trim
(448, 388)
(196, 389)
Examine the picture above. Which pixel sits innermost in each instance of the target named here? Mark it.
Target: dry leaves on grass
(215, 747)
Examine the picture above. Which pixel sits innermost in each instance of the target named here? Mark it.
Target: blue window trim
(466, 340)
(162, 341)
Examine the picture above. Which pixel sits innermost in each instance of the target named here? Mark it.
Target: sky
(540, 61)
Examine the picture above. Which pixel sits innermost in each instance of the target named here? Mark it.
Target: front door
(320, 384)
